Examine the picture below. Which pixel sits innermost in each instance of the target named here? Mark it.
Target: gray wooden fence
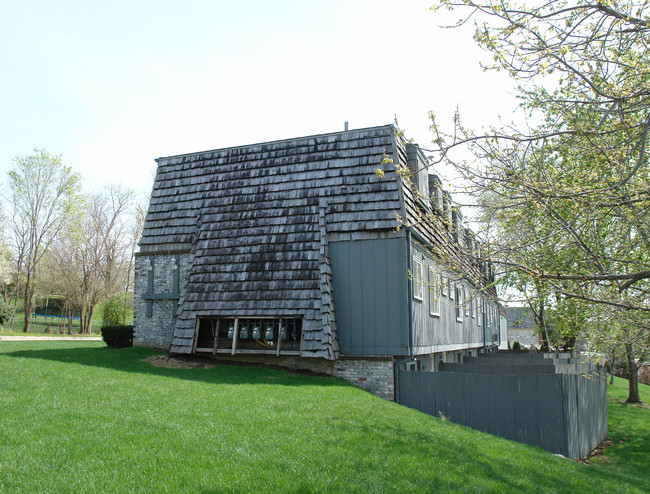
(562, 412)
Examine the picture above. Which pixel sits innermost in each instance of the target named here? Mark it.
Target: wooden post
(279, 338)
(216, 335)
(235, 337)
(196, 334)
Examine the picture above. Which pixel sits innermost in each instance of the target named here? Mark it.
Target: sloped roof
(256, 218)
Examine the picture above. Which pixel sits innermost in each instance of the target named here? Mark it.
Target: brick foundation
(374, 374)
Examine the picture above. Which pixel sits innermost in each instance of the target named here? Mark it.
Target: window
(479, 311)
(451, 290)
(443, 284)
(474, 307)
(459, 303)
(418, 288)
(434, 293)
(468, 303)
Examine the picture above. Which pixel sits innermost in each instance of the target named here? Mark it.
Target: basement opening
(252, 335)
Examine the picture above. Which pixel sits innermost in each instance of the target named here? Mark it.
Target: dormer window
(457, 225)
(446, 206)
(435, 192)
(418, 165)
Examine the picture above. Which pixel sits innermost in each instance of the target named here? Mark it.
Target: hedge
(118, 336)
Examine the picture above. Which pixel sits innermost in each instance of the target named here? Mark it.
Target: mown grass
(80, 417)
(629, 434)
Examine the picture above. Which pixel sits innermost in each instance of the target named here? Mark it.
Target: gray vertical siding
(563, 413)
(438, 333)
(370, 296)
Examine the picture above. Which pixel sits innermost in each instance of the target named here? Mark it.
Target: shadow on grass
(132, 360)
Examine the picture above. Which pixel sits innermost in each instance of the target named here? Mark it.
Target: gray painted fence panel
(561, 413)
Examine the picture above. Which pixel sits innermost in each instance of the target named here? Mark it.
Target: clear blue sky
(113, 85)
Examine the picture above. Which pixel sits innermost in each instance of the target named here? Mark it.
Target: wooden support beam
(235, 337)
(215, 326)
(279, 337)
(196, 334)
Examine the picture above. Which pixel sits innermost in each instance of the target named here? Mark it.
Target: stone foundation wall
(156, 331)
(374, 374)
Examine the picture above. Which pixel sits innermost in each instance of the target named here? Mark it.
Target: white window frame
(474, 307)
(417, 278)
(434, 293)
(443, 285)
(459, 302)
(479, 311)
(467, 302)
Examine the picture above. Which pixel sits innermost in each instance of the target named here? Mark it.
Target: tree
(90, 261)
(627, 333)
(43, 194)
(139, 216)
(566, 199)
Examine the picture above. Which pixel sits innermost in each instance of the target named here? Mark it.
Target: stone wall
(525, 337)
(374, 374)
(156, 331)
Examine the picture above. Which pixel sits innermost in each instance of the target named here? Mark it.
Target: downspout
(484, 331)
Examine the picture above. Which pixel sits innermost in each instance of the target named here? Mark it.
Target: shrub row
(118, 336)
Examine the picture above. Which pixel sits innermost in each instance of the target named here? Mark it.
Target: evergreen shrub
(118, 336)
(6, 312)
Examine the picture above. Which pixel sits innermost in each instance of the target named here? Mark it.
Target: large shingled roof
(255, 220)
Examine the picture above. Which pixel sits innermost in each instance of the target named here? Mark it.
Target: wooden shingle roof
(255, 220)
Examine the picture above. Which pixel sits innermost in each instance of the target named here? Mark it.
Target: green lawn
(80, 417)
(629, 432)
(49, 325)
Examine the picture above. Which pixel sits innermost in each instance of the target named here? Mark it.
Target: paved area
(35, 338)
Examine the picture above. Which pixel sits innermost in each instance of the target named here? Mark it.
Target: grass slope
(80, 417)
(629, 433)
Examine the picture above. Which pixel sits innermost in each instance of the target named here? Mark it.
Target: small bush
(117, 309)
(6, 312)
(516, 347)
(118, 336)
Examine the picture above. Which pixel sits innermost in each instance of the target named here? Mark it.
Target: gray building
(338, 253)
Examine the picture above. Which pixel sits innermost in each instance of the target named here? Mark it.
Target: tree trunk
(70, 316)
(89, 316)
(541, 324)
(633, 377)
(13, 317)
(29, 302)
(82, 320)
